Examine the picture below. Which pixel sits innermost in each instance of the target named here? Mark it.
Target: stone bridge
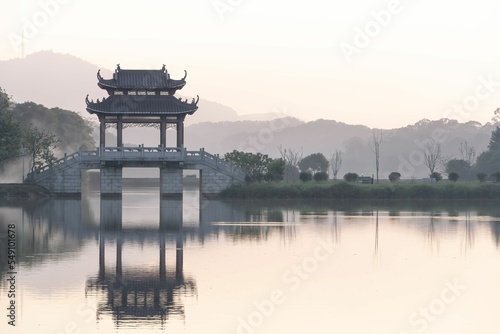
(64, 177)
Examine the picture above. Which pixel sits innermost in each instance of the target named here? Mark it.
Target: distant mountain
(401, 149)
(62, 80)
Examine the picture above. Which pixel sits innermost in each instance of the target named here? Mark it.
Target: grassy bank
(25, 191)
(344, 190)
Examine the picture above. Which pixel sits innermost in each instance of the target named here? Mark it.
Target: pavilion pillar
(163, 132)
(180, 133)
(102, 132)
(119, 132)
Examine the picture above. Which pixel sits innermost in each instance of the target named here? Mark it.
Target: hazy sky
(379, 63)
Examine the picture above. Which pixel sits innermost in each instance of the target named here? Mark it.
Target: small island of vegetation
(292, 176)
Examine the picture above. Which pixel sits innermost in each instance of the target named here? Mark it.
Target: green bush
(320, 176)
(394, 176)
(437, 176)
(453, 176)
(305, 176)
(351, 177)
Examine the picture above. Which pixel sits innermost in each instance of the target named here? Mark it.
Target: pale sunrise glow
(379, 63)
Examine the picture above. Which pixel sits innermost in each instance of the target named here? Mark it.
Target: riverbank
(345, 190)
(22, 191)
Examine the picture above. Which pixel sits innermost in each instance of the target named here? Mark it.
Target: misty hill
(62, 80)
(401, 148)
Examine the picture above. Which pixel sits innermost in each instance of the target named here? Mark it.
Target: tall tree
(315, 162)
(489, 160)
(10, 131)
(275, 170)
(495, 139)
(432, 156)
(375, 143)
(336, 163)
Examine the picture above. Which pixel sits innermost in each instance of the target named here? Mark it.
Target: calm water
(138, 264)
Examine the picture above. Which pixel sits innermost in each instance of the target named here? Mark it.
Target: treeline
(39, 133)
(292, 167)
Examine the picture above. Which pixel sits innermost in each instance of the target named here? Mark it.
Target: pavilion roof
(141, 105)
(141, 80)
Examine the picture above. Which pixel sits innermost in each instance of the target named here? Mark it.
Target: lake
(207, 266)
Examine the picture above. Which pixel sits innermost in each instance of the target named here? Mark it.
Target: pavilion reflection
(134, 294)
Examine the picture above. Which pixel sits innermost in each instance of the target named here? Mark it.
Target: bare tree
(292, 158)
(432, 155)
(377, 137)
(336, 162)
(467, 152)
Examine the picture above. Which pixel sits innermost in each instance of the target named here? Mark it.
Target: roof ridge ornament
(118, 68)
(164, 68)
(99, 77)
(185, 75)
(197, 100)
(87, 99)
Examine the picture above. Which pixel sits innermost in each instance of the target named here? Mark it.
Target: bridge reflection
(133, 293)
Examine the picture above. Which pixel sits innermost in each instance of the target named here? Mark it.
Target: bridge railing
(143, 153)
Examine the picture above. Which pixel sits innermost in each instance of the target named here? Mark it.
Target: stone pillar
(111, 181)
(170, 214)
(171, 182)
(180, 134)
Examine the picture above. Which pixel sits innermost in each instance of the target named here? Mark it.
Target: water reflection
(137, 293)
(154, 272)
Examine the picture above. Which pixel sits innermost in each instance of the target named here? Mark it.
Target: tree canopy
(33, 130)
(315, 162)
(489, 161)
(495, 140)
(74, 132)
(258, 166)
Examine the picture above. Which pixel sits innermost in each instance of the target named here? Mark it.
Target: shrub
(351, 177)
(437, 176)
(394, 176)
(453, 176)
(320, 176)
(305, 176)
